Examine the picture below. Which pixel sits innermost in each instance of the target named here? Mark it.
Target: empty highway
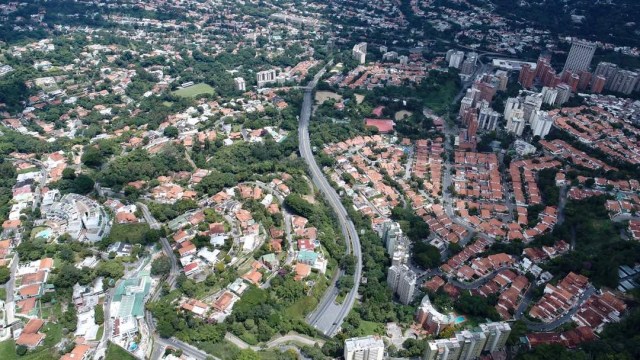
(328, 316)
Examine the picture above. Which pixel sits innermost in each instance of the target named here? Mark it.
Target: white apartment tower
(541, 124)
(509, 106)
(359, 52)
(564, 93)
(488, 119)
(402, 281)
(549, 95)
(516, 123)
(240, 84)
(580, 56)
(468, 345)
(364, 348)
(472, 344)
(624, 81)
(456, 59)
(266, 77)
(532, 103)
(497, 334)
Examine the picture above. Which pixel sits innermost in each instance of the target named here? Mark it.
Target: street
(328, 316)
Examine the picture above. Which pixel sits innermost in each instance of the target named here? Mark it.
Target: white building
(364, 348)
(82, 218)
(488, 119)
(549, 95)
(240, 84)
(497, 334)
(541, 124)
(455, 61)
(564, 93)
(580, 56)
(359, 52)
(266, 77)
(402, 281)
(468, 345)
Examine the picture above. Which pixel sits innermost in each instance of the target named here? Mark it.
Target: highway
(328, 316)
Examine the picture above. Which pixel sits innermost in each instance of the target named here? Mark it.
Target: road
(328, 316)
(160, 344)
(153, 223)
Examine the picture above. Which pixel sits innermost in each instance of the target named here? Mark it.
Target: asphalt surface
(329, 316)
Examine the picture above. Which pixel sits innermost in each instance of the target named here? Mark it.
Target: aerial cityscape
(320, 179)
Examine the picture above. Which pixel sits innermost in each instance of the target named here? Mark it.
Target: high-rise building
(402, 281)
(390, 56)
(469, 65)
(497, 334)
(266, 77)
(606, 70)
(240, 84)
(624, 81)
(526, 76)
(468, 345)
(597, 85)
(391, 234)
(364, 348)
(574, 79)
(564, 93)
(541, 124)
(510, 105)
(580, 56)
(359, 52)
(503, 80)
(488, 119)
(456, 59)
(516, 123)
(585, 80)
(447, 57)
(544, 63)
(487, 91)
(443, 349)
(472, 344)
(549, 95)
(465, 104)
(532, 103)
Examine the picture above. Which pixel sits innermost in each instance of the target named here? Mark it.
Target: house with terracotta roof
(30, 335)
(79, 352)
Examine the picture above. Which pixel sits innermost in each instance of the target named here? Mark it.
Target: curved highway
(328, 316)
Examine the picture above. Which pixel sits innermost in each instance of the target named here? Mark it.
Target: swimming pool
(460, 319)
(46, 233)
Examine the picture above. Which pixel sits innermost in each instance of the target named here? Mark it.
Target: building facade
(364, 348)
(580, 56)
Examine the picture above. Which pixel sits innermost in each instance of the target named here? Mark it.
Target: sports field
(194, 90)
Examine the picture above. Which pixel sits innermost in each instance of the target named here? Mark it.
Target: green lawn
(370, 328)
(195, 90)
(223, 350)
(3, 294)
(100, 332)
(115, 352)
(131, 233)
(302, 307)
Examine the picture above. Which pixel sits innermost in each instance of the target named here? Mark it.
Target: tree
(171, 131)
(21, 350)
(247, 354)
(99, 314)
(5, 274)
(161, 266)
